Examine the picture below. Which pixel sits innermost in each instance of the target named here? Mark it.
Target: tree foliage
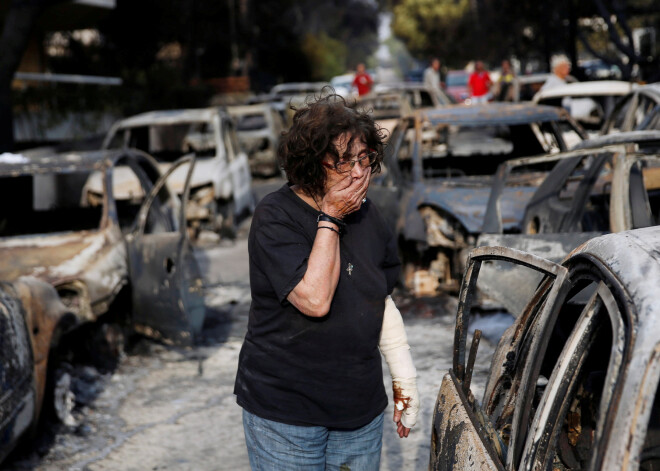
(460, 30)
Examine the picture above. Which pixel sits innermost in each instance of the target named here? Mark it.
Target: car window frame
(542, 438)
(542, 311)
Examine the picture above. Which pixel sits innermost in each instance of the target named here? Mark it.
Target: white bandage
(394, 347)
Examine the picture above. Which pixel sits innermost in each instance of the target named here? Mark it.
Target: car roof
(164, 117)
(586, 89)
(47, 163)
(299, 87)
(43, 163)
(630, 137)
(400, 86)
(237, 110)
(493, 113)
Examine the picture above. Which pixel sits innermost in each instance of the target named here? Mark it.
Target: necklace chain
(316, 202)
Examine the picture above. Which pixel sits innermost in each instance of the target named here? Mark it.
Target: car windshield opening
(475, 150)
(251, 122)
(168, 142)
(48, 203)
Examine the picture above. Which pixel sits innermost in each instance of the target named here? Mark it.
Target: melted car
(221, 193)
(573, 383)
(259, 128)
(637, 111)
(609, 184)
(68, 253)
(437, 174)
(589, 103)
(90, 246)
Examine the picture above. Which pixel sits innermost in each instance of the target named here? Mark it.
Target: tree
(18, 24)
(462, 30)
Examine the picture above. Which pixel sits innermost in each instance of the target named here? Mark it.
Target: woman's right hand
(345, 197)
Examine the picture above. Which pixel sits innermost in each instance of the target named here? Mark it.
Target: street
(173, 408)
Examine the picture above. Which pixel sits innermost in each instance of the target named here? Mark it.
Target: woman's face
(347, 150)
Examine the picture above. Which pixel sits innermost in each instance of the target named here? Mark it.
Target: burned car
(386, 109)
(259, 128)
(221, 193)
(607, 184)
(637, 111)
(573, 382)
(67, 253)
(417, 95)
(589, 103)
(437, 174)
(91, 246)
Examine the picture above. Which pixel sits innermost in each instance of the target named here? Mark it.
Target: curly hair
(311, 138)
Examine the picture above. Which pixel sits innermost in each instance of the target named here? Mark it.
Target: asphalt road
(173, 408)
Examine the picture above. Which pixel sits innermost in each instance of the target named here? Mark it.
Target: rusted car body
(418, 95)
(294, 94)
(90, 246)
(637, 111)
(66, 252)
(438, 168)
(609, 184)
(589, 103)
(221, 193)
(386, 109)
(573, 382)
(30, 313)
(259, 128)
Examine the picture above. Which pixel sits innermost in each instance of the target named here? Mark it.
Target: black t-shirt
(301, 370)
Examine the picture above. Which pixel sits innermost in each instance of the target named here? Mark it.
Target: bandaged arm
(394, 347)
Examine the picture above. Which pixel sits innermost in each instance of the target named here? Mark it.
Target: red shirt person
(479, 84)
(362, 81)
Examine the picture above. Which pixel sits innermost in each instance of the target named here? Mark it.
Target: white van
(221, 191)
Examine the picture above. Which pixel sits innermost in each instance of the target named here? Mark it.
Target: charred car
(637, 111)
(573, 382)
(68, 252)
(90, 246)
(609, 184)
(417, 95)
(221, 193)
(437, 175)
(259, 128)
(386, 109)
(589, 103)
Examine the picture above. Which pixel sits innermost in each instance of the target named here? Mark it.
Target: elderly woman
(323, 264)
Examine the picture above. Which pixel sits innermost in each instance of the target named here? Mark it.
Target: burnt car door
(582, 376)
(165, 278)
(465, 434)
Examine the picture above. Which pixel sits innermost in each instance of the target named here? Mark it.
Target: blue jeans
(273, 446)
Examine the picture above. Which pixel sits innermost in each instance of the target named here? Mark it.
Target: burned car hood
(53, 258)
(466, 200)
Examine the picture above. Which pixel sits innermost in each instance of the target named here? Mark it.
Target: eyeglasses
(365, 160)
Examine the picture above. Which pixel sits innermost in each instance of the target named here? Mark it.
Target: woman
(322, 266)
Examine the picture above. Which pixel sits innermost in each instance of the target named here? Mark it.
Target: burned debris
(437, 177)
